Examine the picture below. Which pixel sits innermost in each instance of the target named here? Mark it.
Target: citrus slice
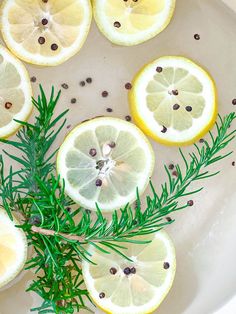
(103, 161)
(174, 101)
(45, 32)
(15, 93)
(118, 286)
(132, 22)
(13, 249)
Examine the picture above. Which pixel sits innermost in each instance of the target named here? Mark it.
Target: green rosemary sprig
(58, 234)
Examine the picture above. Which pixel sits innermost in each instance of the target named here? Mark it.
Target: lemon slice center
(174, 96)
(46, 28)
(104, 164)
(133, 16)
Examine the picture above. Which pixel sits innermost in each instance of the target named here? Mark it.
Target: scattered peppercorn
(89, 80)
(102, 295)
(164, 130)
(171, 166)
(175, 92)
(175, 173)
(128, 118)
(33, 79)
(201, 140)
(113, 270)
(65, 86)
(188, 108)
(73, 100)
(112, 144)
(44, 21)
(159, 69)
(190, 203)
(166, 265)
(8, 105)
(104, 93)
(117, 24)
(41, 40)
(109, 109)
(133, 270)
(93, 152)
(197, 36)
(54, 47)
(128, 86)
(233, 163)
(127, 271)
(234, 101)
(82, 83)
(98, 182)
(168, 219)
(176, 106)
(68, 126)
(35, 220)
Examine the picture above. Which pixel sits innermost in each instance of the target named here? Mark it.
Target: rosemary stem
(48, 232)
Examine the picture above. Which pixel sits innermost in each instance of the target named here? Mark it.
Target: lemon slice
(174, 101)
(15, 93)
(45, 32)
(13, 249)
(103, 161)
(132, 22)
(118, 286)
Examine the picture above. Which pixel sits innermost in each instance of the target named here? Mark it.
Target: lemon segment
(118, 286)
(104, 161)
(174, 101)
(45, 32)
(132, 22)
(13, 249)
(16, 93)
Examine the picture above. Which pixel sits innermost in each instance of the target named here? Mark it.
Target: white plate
(204, 235)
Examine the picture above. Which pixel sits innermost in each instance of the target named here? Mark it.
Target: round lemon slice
(13, 249)
(15, 93)
(132, 22)
(104, 161)
(174, 101)
(45, 32)
(118, 286)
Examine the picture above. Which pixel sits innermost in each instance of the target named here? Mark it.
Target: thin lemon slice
(174, 101)
(15, 93)
(121, 287)
(13, 249)
(45, 32)
(132, 22)
(103, 161)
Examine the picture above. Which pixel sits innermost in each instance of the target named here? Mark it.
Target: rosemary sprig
(58, 234)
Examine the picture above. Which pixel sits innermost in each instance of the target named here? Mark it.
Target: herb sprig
(58, 234)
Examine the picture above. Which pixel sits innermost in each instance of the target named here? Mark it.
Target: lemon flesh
(45, 32)
(132, 22)
(103, 161)
(122, 287)
(13, 249)
(16, 93)
(174, 101)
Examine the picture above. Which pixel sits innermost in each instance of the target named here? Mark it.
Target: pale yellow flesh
(137, 293)
(133, 16)
(15, 93)
(132, 22)
(127, 166)
(161, 98)
(13, 249)
(174, 100)
(46, 33)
